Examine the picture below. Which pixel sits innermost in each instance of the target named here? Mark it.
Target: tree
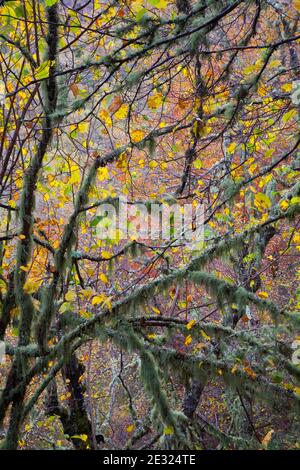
(164, 102)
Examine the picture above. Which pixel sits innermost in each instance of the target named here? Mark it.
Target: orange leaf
(116, 104)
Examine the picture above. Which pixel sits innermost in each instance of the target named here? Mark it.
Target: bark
(8, 304)
(192, 397)
(74, 417)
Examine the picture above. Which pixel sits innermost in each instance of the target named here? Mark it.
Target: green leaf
(82, 437)
(198, 164)
(49, 3)
(289, 115)
(159, 3)
(95, 221)
(168, 431)
(42, 71)
(140, 14)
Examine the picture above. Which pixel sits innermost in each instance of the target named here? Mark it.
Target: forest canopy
(149, 334)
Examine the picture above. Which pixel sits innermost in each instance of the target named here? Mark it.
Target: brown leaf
(74, 89)
(115, 105)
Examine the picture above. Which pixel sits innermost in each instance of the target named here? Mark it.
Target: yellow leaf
(284, 204)
(103, 173)
(75, 174)
(105, 117)
(21, 443)
(191, 324)
(151, 336)
(297, 391)
(296, 4)
(168, 431)
(231, 148)
(155, 101)
(122, 112)
(204, 335)
(130, 428)
(24, 268)
(155, 310)
(162, 3)
(85, 314)
(250, 69)
(288, 86)
(31, 286)
(263, 295)
(153, 164)
(262, 91)
(98, 299)
(262, 202)
(289, 115)
(267, 438)
(197, 164)
(275, 63)
(83, 126)
(106, 254)
(107, 303)
(86, 293)
(296, 238)
(103, 278)
(188, 340)
(70, 296)
(295, 200)
(82, 437)
(137, 135)
(65, 306)
(265, 180)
